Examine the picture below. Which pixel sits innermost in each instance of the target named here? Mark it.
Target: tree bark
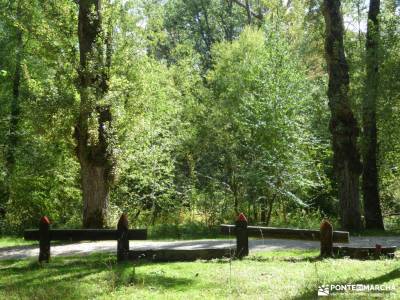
(229, 28)
(93, 146)
(370, 185)
(248, 11)
(270, 205)
(343, 125)
(247, 7)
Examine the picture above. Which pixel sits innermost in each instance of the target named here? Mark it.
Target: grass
(269, 275)
(372, 233)
(11, 241)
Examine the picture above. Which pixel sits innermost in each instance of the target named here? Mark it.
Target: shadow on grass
(394, 274)
(259, 258)
(290, 259)
(25, 279)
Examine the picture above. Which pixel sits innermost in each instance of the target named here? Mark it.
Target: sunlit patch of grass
(11, 241)
(293, 274)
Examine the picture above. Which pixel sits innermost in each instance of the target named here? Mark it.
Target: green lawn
(11, 241)
(269, 275)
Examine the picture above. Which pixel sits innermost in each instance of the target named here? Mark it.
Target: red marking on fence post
(242, 218)
(242, 236)
(44, 241)
(45, 220)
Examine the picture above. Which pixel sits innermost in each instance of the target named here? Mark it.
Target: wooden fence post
(242, 236)
(44, 239)
(123, 239)
(326, 237)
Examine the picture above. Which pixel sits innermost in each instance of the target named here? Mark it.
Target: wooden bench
(122, 235)
(325, 235)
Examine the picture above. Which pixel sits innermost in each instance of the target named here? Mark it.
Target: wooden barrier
(286, 233)
(241, 230)
(85, 234)
(44, 239)
(365, 252)
(325, 235)
(123, 238)
(45, 235)
(164, 255)
(242, 236)
(326, 238)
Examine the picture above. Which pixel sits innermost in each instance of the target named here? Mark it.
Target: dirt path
(85, 248)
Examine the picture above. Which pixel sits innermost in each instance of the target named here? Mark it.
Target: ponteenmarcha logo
(323, 290)
(326, 290)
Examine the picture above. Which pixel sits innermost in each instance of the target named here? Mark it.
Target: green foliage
(44, 179)
(389, 106)
(210, 117)
(255, 141)
(194, 230)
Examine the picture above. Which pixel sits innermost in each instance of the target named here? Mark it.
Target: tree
(250, 14)
(253, 142)
(93, 131)
(343, 125)
(370, 185)
(388, 117)
(200, 24)
(15, 109)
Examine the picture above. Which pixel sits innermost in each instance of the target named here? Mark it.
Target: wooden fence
(325, 235)
(122, 235)
(240, 230)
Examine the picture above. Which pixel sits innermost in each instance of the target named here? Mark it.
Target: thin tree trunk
(248, 11)
(255, 211)
(263, 210)
(229, 27)
(370, 185)
(270, 206)
(93, 150)
(343, 125)
(236, 200)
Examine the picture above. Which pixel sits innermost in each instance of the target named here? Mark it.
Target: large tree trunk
(93, 144)
(370, 186)
(343, 125)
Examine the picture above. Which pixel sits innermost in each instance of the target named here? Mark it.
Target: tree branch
(255, 15)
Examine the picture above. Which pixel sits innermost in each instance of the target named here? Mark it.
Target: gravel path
(85, 248)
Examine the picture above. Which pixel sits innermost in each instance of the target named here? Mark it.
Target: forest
(189, 112)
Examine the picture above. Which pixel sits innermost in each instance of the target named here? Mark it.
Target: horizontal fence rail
(121, 235)
(365, 252)
(287, 233)
(182, 254)
(85, 234)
